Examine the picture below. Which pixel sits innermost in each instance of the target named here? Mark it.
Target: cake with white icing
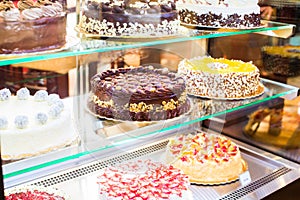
(33, 124)
(220, 78)
(129, 18)
(143, 179)
(220, 13)
(206, 158)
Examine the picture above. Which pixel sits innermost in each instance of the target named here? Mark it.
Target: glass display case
(105, 142)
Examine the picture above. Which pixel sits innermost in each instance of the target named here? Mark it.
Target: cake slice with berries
(206, 158)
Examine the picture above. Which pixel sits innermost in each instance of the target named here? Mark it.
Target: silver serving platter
(268, 173)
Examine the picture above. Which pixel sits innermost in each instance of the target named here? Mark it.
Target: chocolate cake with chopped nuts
(31, 26)
(129, 18)
(138, 94)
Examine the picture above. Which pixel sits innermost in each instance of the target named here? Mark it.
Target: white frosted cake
(220, 78)
(206, 158)
(220, 13)
(143, 179)
(33, 124)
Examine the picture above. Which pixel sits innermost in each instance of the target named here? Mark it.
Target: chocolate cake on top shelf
(31, 26)
(138, 94)
(129, 18)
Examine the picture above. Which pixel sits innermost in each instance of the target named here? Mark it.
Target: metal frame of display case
(78, 163)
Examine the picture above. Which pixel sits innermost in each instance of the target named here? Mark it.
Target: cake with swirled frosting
(31, 125)
(221, 78)
(206, 158)
(220, 13)
(138, 94)
(31, 26)
(129, 18)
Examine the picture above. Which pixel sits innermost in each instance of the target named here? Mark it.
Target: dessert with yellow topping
(31, 26)
(206, 158)
(282, 60)
(220, 78)
(138, 94)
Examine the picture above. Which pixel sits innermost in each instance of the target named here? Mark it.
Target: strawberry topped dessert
(34, 193)
(206, 158)
(143, 180)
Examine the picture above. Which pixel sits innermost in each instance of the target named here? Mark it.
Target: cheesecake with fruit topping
(143, 179)
(220, 78)
(206, 158)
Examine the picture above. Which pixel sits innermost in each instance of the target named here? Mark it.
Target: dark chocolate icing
(134, 85)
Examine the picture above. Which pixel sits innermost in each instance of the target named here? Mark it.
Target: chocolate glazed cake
(31, 26)
(129, 18)
(138, 94)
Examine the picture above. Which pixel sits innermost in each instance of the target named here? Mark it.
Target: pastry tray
(268, 173)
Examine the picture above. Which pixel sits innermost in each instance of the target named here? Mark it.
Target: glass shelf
(100, 137)
(86, 46)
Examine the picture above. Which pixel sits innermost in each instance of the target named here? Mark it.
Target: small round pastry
(34, 192)
(138, 94)
(220, 78)
(143, 180)
(206, 158)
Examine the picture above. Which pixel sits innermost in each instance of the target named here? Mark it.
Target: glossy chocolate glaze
(127, 86)
(29, 36)
(124, 13)
(134, 85)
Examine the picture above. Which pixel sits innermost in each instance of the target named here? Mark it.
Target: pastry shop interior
(149, 99)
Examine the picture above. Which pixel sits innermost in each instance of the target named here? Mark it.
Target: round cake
(206, 158)
(129, 18)
(281, 60)
(34, 192)
(138, 94)
(220, 78)
(32, 125)
(220, 13)
(143, 180)
(31, 26)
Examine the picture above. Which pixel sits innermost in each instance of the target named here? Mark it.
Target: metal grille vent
(101, 165)
(239, 193)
